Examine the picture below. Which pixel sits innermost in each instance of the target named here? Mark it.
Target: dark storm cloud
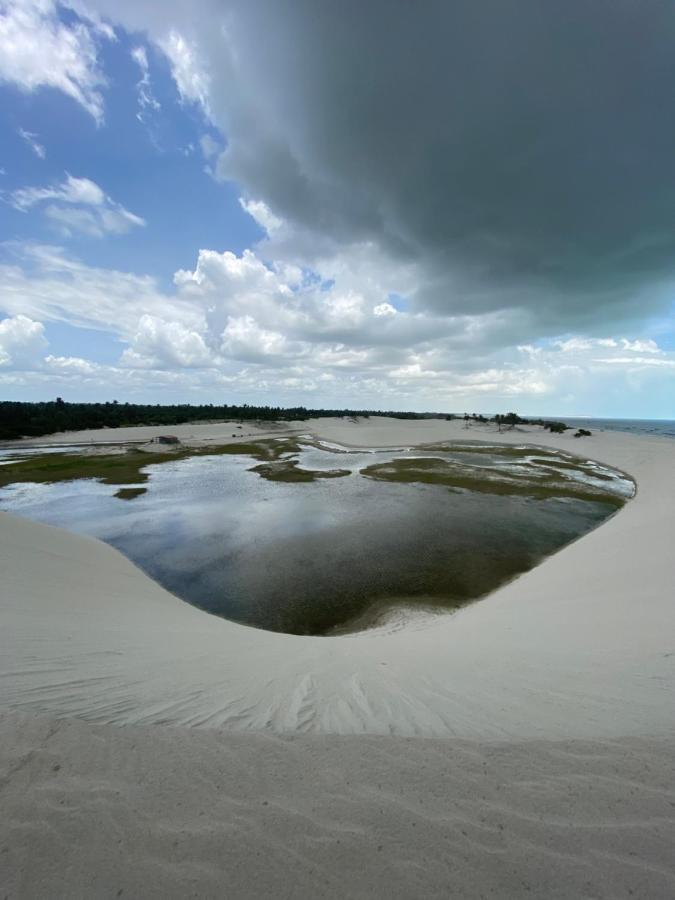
(524, 151)
(520, 153)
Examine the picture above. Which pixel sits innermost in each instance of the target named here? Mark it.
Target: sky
(448, 206)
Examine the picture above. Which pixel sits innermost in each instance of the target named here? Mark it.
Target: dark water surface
(312, 557)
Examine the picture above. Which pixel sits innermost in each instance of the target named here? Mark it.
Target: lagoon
(324, 556)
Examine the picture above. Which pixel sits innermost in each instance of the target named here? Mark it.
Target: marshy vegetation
(277, 459)
(550, 477)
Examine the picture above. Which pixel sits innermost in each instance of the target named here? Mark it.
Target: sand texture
(89, 811)
(522, 746)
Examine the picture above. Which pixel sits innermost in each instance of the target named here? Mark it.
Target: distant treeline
(511, 419)
(35, 419)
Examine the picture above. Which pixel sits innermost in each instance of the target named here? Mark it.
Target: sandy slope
(582, 647)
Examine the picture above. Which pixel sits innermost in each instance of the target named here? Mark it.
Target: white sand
(192, 434)
(571, 668)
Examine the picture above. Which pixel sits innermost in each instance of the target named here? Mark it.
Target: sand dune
(571, 669)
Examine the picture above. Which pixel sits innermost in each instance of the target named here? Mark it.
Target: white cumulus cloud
(71, 365)
(266, 330)
(159, 343)
(384, 309)
(22, 341)
(243, 338)
(640, 346)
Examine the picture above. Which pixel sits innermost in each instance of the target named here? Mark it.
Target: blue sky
(179, 221)
(155, 168)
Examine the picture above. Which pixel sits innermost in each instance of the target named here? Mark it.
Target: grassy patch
(130, 493)
(288, 470)
(120, 468)
(267, 450)
(488, 481)
(128, 467)
(492, 450)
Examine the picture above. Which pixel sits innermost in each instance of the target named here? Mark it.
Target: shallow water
(309, 558)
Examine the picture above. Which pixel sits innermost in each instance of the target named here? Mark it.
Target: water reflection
(310, 558)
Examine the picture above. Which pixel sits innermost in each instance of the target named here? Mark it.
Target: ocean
(662, 427)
